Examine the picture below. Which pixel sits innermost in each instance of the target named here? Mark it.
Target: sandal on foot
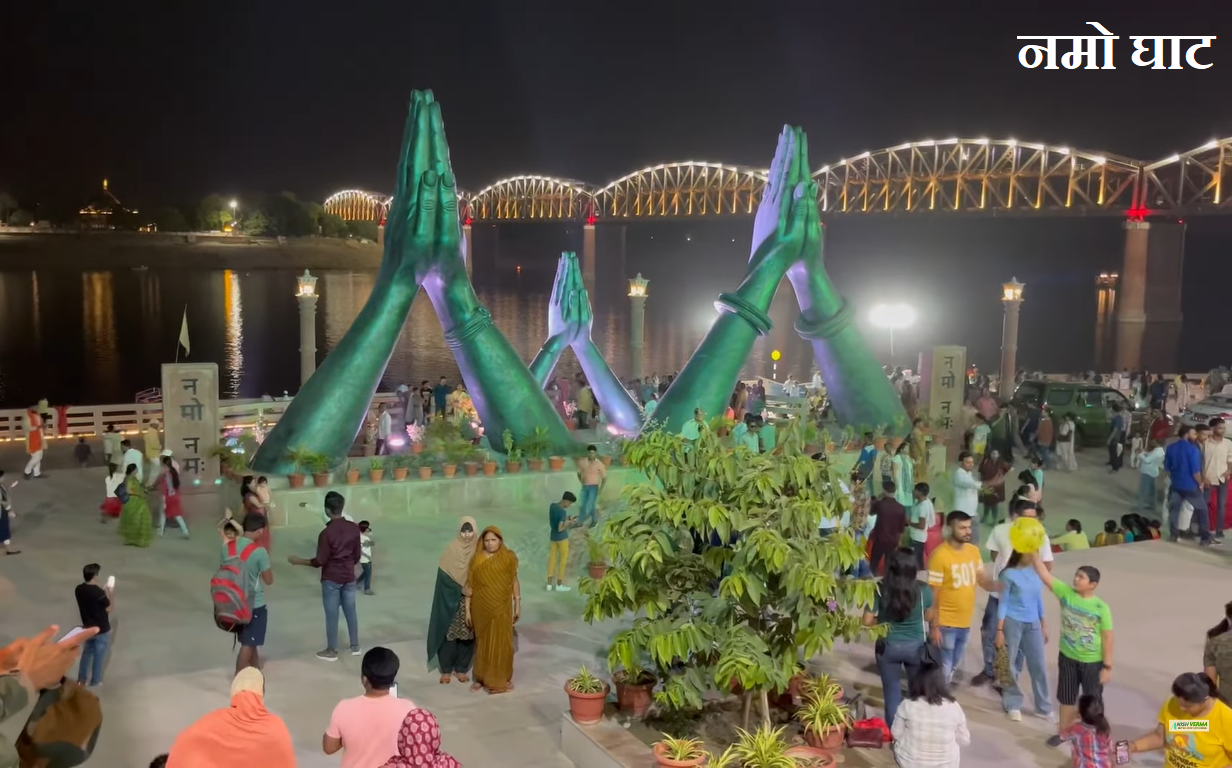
(444, 679)
(476, 687)
(461, 677)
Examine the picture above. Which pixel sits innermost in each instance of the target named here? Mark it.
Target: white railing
(92, 420)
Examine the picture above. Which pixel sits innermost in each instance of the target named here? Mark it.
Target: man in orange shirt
(592, 474)
(954, 570)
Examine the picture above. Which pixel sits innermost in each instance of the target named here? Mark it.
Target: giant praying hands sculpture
(423, 247)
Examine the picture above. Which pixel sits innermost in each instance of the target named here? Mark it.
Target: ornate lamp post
(637, 323)
(306, 295)
(892, 316)
(1011, 297)
(234, 221)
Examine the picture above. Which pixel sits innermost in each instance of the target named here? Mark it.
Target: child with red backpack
(238, 588)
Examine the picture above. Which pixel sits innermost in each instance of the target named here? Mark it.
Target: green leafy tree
(362, 229)
(8, 204)
(720, 561)
(254, 222)
(20, 218)
(332, 225)
(213, 213)
(290, 217)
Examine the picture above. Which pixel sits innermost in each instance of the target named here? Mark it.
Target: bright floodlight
(234, 204)
(892, 316)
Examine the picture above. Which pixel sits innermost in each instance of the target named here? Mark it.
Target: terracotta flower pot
(489, 468)
(624, 461)
(416, 448)
(295, 481)
(587, 708)
(352, 476)
(557, 463)
(320, 479)
(831, 741)
(829, 448)
(663, 760)
(400, 473)
(375, 475)
(471, 468)
(425, 473)
(534, 465)
(633, 698)
(607, 460)
(513, 467)
(449, 470)
(596, 570)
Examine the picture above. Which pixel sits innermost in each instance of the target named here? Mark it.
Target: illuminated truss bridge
(997, 177)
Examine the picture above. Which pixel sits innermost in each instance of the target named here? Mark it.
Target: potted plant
(828, 440)
(318, 465)
(402, 466)
(766, 747)
(456, 452)
(352, 474)
(415, 434)
(606, 458)
(597, 562)
(848, 437)
(824, 717)
(513, 454)
(587, 695)
(474, 460)
(535, 447)
(489, 466)
(679, 753)
(299, 458)
(376, 468)
(556, 463)
(633, 690)
(424, 465)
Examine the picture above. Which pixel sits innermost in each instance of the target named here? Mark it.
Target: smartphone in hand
(111, 582)
(1122, 752)
(71, 634)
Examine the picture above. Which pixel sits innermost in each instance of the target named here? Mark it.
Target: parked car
(1089, 404)
(1203, 411)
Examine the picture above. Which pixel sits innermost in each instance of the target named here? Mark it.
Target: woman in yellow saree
(493, 607)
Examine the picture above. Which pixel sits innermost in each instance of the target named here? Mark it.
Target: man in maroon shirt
(338, 551)
(891, 522)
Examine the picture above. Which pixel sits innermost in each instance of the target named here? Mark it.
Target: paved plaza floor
(170, 665)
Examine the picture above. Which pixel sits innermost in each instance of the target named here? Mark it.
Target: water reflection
(234, 345)
(38, 323)
(98, 324)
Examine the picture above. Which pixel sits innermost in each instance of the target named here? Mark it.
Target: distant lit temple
(104, 212)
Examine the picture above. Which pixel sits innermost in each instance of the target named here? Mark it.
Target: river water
(84, 335)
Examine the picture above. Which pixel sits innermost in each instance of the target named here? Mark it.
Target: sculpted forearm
(613, 398)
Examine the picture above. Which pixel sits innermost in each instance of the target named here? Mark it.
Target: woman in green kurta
(451, 641)
(904, 476)
(135, 524)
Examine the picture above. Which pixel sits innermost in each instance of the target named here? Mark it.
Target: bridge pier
(1149, 302)
(588, 258)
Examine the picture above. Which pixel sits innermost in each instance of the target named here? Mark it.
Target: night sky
(173, 101)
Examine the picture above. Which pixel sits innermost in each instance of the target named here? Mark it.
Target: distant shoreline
(112, 250)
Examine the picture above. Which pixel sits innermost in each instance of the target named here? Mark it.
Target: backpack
(231, 596)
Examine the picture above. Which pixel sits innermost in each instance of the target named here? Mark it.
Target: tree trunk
(747, 709)
(764, 699)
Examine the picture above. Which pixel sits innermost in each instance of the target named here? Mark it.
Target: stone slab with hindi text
(190, 428)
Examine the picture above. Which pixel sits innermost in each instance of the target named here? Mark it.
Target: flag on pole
(184, 333)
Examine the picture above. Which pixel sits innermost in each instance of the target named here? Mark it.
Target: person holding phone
(1194, 697)
(560, 524)
(95, 604)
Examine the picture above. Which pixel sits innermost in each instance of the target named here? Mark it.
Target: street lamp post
(637, 323)
(892, 316)
(234, 221)
(306, 295)
(1011, 297)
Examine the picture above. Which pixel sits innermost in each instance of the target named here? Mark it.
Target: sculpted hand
(422, 234)
(569, 313)
(780, 227)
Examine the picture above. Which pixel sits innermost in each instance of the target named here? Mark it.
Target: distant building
(105, 212)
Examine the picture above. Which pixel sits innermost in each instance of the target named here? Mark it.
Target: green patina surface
(424, 248)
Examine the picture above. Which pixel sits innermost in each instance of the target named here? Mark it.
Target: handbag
(930, 654)
(62, 729)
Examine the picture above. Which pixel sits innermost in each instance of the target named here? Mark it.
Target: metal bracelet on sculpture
(468, 329)
(730, 302)
(824, 329)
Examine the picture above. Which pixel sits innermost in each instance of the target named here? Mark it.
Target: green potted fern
(401, 465)
(300, 459)
(318, 465)
(536, 447)
(376, 468)
(352, 474)
(672, 752)
(823, 714)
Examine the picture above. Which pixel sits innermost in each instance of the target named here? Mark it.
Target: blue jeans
(953, 645)
(590, 495)
(897, 654)
(334, 595)
(1196, 500)
(988, 639)
(93, 654)
(365, 575)
(1147, 489)
(1027, 639)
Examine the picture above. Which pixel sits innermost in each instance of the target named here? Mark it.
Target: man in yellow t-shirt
(954, 570)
